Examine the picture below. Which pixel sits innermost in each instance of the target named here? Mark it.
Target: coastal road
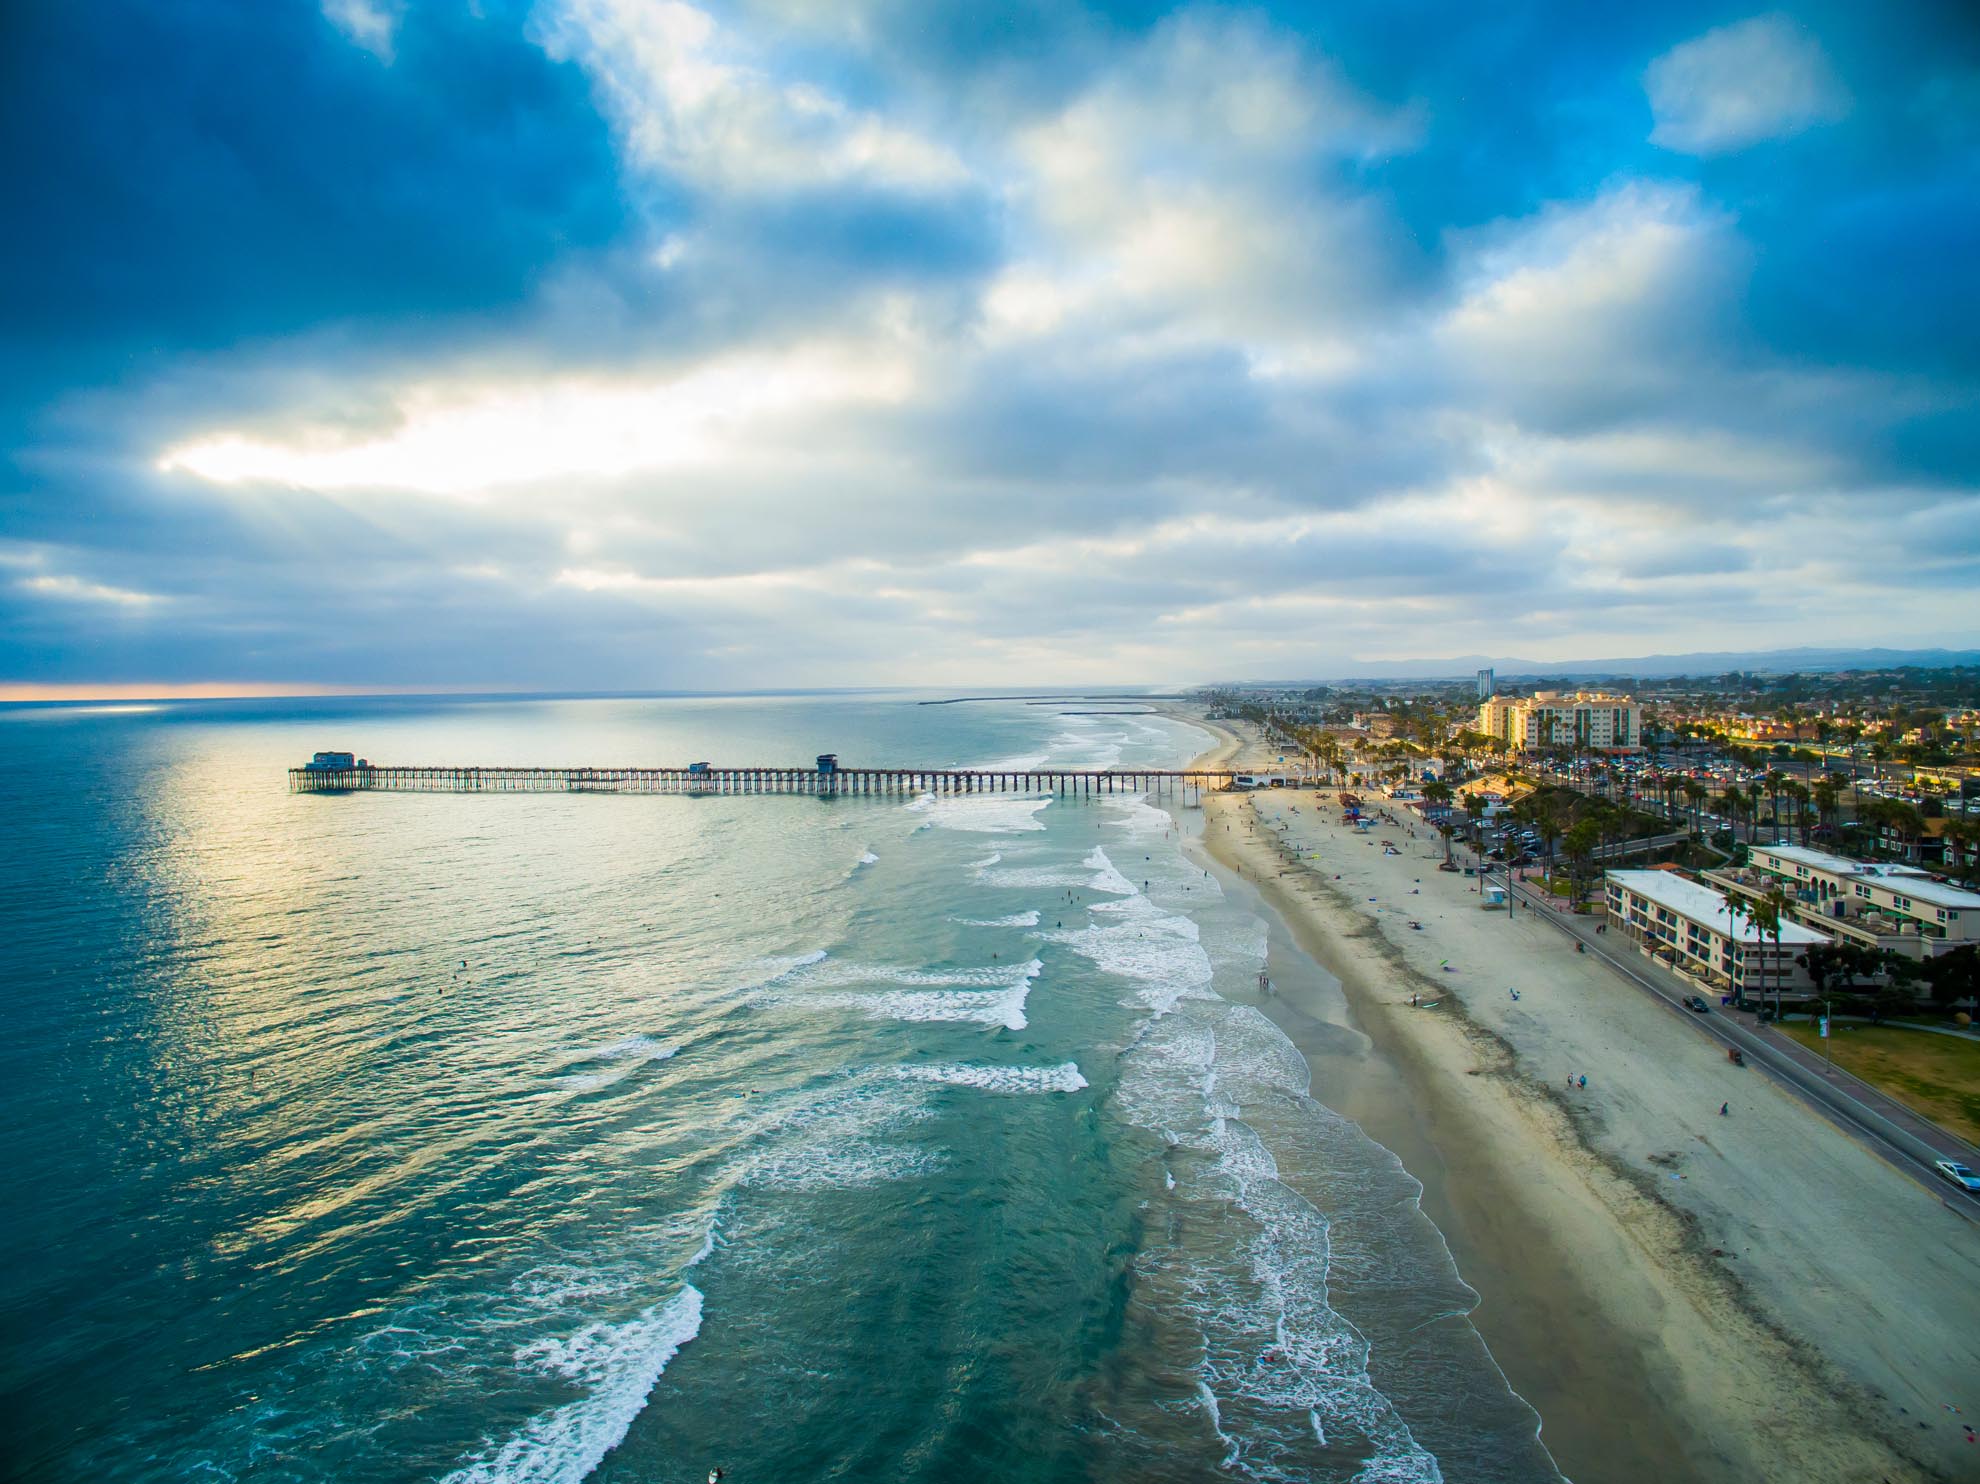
(1903, 1138)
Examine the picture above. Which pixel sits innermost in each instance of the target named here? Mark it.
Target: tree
(1732, 803)
(1580, 843)
(1799, 795)
(1766, 916)
(1777, 785)
(1954, 977)
(1696, 794)
(1735, 910)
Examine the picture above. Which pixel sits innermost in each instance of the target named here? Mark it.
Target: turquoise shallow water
(551, 1137)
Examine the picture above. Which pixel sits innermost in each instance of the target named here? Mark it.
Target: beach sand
(1681, 1295)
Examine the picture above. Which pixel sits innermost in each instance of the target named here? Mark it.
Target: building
(1375, 723)
(1692, 927)
(1484, 685)
(1586, 719)
(1896, 908)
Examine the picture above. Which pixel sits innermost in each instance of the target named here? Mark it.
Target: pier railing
(1060, 782)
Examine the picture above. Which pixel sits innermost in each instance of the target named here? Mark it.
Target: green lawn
(1937, 1076)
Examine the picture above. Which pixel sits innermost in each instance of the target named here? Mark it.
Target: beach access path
(1789, 1304)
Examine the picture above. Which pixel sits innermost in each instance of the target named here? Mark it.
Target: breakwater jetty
(825, 780)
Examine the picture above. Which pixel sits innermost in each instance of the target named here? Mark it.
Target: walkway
(1900, 1135)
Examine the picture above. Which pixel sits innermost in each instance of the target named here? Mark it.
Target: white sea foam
(868, 858)
(1023, 763)
(1063, 1078)
(1105, 877)
(619, 1363)
(980, 996)
(1016, 919)
(1134, 939)
(1030, 878)
(601, 1067)
(1273, 1348)
(981, 814)
(845, 1137)
(770, 970)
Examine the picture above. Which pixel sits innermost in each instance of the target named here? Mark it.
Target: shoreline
(1617, 1312)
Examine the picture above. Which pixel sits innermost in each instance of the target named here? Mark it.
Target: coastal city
(760, 742)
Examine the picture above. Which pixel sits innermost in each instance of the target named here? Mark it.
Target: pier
(701, 779)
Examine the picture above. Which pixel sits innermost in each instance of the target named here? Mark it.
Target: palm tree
(1961, 836)
(1695, 794)
(1777, 782)
(1580, 842)
(1765, 915)
(1732, 802)
(1798, 795)
(1735, 910)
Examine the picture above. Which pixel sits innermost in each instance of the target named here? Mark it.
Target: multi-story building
(1485, 687)
(1591, 719)
(1696, 930)
(1897, 908)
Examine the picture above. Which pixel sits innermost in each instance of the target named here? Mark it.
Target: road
(1901, 1136)
(1894, 1131)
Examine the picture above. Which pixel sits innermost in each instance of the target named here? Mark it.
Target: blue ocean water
(551, 1137)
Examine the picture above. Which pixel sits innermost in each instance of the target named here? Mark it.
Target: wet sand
(1840, 1311)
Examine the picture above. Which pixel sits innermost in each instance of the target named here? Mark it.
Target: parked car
(1958, 1174)
(1697, 1005)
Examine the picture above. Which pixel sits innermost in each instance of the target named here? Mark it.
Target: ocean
(561, 1137)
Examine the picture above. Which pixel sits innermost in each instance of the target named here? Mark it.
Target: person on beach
(1725, 1110)
(1582, 1079)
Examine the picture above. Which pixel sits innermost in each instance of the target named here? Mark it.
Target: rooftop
(1697, 901)
(1914, 882)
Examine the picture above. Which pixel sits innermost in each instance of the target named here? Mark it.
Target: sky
(641, 344)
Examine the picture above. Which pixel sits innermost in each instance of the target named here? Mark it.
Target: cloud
(76, 589)
(369, 24)
(593, 344)
(474, 439)
(1735, 86)
(690, 101)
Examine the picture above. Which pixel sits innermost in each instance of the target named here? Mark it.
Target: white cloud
(690, 102)
(78, 590)
(370, 24)
(1593, 308)
(1760, 79)
(467, 440)
(1181, 187)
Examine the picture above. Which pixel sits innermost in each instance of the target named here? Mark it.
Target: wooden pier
(820, 782)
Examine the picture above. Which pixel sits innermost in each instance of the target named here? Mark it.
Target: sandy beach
(1681, 1295)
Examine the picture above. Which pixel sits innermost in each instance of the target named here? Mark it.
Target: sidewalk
(1902, 1136)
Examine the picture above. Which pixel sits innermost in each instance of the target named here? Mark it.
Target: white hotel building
(1592, 719)
(1689, 925)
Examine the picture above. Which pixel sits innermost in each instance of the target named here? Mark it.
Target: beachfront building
(1693, 928)
(1897, 908)
(1586, 719)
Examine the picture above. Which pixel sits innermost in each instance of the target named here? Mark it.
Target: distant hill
(1661, 666)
